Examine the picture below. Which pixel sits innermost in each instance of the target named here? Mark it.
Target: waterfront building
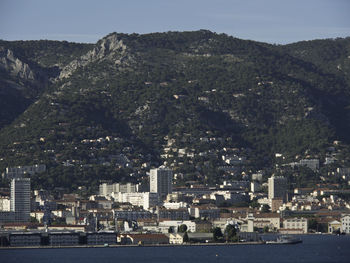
(271, 220)
(24, 239)
(222, 223)
(334, 226)
(20, 199)
(143, 239)
(63, 228)
(63, 239)
(161, 181)
(176, 238)
(296, 223)
(101, 238)
(345, 223)
(200, 237)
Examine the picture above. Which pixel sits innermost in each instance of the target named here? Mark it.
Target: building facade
(101, 238)
(25, 239)
(161, 181)
(107, 189)
(5, 204)
(20, 199)
(132, 215)
(334, 226)
(277, 187)
(296, 223)
(345, 223)
(64, 239)
(143, 199)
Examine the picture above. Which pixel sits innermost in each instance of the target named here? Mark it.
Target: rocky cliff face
(109, 48)
(21, 82)
(14, 66)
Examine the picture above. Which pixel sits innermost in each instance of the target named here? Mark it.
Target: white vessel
(285, 240)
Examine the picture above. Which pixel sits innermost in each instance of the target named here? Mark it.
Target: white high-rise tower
(161, 181)
(277, 187)
(20, 199)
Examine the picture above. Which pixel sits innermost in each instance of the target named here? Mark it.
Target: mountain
(110, 111)
(26, 68)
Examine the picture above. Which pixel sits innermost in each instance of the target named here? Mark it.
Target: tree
(186, 239)
(312, 223)
(33, 220)
(182, 228)
(254, 203)
(265, 209)
(217, 234)
(266, 229)
(231, 233)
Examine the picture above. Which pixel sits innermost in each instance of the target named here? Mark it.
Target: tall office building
(20, 199)
(277, 186)
(161, 181)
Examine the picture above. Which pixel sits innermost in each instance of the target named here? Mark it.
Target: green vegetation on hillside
(204, 93)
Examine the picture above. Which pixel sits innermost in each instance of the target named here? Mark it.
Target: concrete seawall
(146, 245)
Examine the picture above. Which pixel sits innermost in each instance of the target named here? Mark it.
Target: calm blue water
(315, 248)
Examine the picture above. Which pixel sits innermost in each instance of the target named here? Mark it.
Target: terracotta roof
(225, 215)
(22, 224)
(58, 226)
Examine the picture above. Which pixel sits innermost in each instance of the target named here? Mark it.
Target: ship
(282, 240)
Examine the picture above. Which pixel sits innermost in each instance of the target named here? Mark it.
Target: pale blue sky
(273, 21)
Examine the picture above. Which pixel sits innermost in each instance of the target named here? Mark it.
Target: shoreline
(132, 246)
(153, 245)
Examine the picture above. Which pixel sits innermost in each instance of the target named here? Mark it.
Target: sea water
(315, 248)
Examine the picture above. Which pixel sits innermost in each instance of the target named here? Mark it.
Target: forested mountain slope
(144, 97)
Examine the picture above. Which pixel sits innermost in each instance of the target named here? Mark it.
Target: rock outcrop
(14, 66)
(109, 48)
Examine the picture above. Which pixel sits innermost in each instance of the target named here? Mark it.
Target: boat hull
(290, 242)
(285, 240)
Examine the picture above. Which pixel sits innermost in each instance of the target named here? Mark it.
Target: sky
(272, 21)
